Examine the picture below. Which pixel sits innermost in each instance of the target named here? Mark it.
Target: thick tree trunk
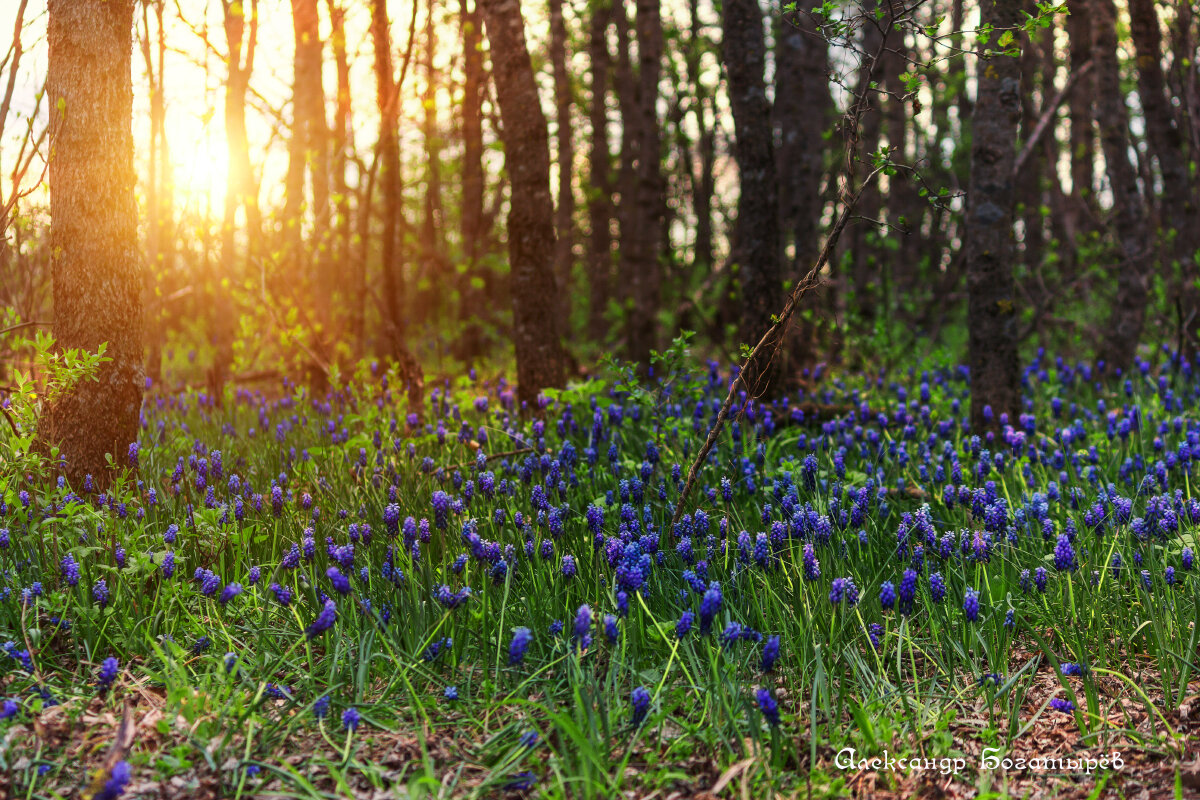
(340, 246)
(642, 248)
(703, 185)
(240, 191)
(93, 233)
(309, 153)
(869, 294)
(432, 240)
(531, 210)
(1129, 213)
(803, 111)
(599, 199)
(472, 301)
(991, 304)
(389, 155)
(1180, 211)
(756, 250)
(564, 213)
(1079, 111)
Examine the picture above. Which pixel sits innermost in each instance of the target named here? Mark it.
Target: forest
(599, 398)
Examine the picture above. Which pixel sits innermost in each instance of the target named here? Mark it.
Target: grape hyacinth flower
(640, 699)
(118, 780)
(769, 707)
(230, 591)
(1071, 669)
(1065, 706)
(583, 626)
(710, 606)
(1064, 555)
(684, 626)
(971, 605)
(887, 595)
(108, 673)
(520, 643)
(324, 621)
(350, 719)
(100, 593)
(321, 707)
(770, 653)
(450, 693)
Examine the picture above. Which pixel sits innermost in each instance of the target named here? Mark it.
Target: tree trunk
(564, 213)
(651, 200)
(240, 191)
(803, 111)
(531, 210)
(756, 236)
(1079, 111)
(471, 301)
(389, 155)
(991, 304)
(599, 199)
(869, 293)
(432, 241)
(1180, 216)
(342, 145)
(309, 152)
(93, 233)
(1129, 213)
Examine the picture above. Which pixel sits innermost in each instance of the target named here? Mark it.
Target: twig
(27, 324)
(774, 334)
(1047, 117)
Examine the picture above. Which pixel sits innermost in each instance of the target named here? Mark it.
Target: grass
(875, 476)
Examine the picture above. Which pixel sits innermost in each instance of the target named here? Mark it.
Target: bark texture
(756, 248)
(386, 93)
(1180, 217)
(531, 210)
(599, 200)
(564, 213)
(991, 304)
(93, 231)
(1128, 313)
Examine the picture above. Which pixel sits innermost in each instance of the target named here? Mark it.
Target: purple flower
(583, 626)
(710, 606)
(108, 673)
(1064, 554)
(971, 605)
(1065, 706)
(229, 592)
(341, 583)
(351, 719)
(324, 621)
(640, 699)
(768, 705)
(100, 593)
(118, 779)
(520, 643)
(770, 654)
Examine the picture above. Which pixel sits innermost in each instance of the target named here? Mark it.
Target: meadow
(302, 595)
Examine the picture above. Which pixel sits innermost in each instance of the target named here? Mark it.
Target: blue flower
(640, 699)
(324, 621)
(971, 605)
(768, 705)
(529, 740)
(450, 693)
(520, 643)
(770, 654)
(108, 673)
(351, 718)
(321, 707)
(115, 785)
(1065, 706)
(710, 606)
